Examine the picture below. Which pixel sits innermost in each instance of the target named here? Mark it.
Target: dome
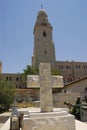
(42, 13)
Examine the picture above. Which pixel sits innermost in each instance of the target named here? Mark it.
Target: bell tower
(44, 51)
(0, 67)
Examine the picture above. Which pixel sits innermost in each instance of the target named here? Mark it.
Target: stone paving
(3, 118)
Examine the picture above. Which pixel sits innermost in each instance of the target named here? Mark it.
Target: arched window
(7, 78)
(43, 24)
(16, 78)
(20, 87)
(44, 34)
(45, 52)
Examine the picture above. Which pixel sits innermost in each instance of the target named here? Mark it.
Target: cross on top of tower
(41, 6)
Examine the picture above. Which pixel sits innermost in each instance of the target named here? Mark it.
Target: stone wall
(16, 80)
(60, 98)
(33, 95)
(27, 95)
(79, 86)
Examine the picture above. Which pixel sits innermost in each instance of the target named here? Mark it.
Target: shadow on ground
(3, 119)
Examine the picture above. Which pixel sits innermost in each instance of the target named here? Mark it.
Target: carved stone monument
(48, 118)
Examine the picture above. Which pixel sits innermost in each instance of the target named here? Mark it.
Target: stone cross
(46, 82)
(46, 99)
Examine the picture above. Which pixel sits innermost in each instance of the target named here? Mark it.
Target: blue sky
(17, 19)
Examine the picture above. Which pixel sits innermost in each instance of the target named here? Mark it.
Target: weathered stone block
(51, 121)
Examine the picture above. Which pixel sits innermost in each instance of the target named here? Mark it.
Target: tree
(29, 70)
(55, 72)
(76, 109)
(7, 95)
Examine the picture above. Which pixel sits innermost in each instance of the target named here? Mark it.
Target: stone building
(71, 71)
(16, 80)
(78, 86)
(44, 51)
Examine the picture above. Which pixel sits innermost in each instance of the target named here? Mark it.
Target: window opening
(43, 24)
(45, 52)
(44, 34)
(17, 79)
(7, 78)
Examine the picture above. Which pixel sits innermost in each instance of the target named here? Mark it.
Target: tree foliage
(76, 109)
(7, 94)
(55, 72)
(29, 70)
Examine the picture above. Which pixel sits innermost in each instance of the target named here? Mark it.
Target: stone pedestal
(50, 121)
(27, 124)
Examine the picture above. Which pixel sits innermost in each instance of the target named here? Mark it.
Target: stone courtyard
(45, 117)
(4, 117)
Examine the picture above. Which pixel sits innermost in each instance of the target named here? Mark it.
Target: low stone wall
(27, 95)
(60, 98)
(6, 126)
(30, 95)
